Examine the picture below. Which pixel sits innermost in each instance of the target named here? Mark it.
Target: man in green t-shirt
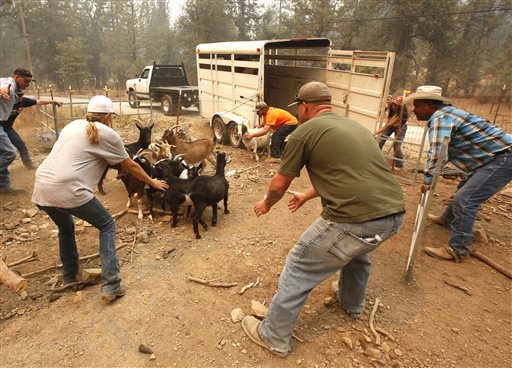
(362, 206)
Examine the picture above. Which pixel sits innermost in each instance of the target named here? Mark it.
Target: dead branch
(120, 213)
(252, 284)
(372, 316)
(385, 333)
(71, 285)
(29, 258)
(248, 168)
(493, 264)
(212, 284)
(297, 338)
(460, 287)
(54, 267)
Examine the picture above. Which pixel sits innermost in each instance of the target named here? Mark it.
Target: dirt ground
(431, 323)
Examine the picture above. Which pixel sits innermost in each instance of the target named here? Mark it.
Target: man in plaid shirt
(475, 146)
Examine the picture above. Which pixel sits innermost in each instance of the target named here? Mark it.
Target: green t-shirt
(345, 166)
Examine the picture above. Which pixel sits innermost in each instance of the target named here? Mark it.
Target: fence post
(70, 101)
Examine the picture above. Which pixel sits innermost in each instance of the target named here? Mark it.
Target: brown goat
(193, 152)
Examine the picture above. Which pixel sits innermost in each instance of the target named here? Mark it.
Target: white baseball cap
(101, 104)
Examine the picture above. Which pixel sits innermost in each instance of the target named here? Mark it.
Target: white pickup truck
(164, 84)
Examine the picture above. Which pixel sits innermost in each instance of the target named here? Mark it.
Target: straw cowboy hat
(426, 96)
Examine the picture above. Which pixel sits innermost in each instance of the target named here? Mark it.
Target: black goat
(178, 193)
(131, 148)
(208, 191)
(134, 186)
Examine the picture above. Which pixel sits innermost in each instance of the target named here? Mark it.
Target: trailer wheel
(133, 100)
(167, 105)
(219, 130)
(234, 138)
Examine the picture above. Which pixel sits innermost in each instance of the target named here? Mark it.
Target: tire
(133, 100)
(219, 130)
(235, 139)
(167, 105)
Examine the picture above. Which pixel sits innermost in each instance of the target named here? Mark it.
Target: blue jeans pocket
(349, 246)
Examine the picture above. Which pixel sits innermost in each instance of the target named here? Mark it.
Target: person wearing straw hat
(65, 183)
(280, 121)
(362, 206)
(395, 126)
(475, 146)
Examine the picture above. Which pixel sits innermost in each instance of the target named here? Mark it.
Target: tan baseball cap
(312, 92)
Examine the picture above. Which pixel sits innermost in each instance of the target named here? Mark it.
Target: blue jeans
(278, 140)
(471, 193)
(7, 156)
(323, 249)
(397, 145)
(94, 213)
(18, 142)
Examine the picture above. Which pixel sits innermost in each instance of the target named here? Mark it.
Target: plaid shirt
(473, 141)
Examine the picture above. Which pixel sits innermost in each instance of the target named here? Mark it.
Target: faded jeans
(18, 142)
(7, 156)
(94, 213)
(471, 193)
(323, 249)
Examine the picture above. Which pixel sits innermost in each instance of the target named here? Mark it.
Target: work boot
(250, 327)
(335, 294)
(446, 254)
(439, 220)
(107, 298)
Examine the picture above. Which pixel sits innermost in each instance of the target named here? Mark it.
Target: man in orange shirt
(280, 121)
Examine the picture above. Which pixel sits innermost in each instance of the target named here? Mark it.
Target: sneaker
(250, 327)
(335, 292)
(446, 254)
(439, 220)
(108, 298)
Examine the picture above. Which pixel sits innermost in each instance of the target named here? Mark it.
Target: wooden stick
(297, 338)
(60, 265)
(13, 281)
(392, 122)
(29, 258)
(460, 287)
(385, 333)
(210, 283)
(120, 213)
(493, 264)
(372, 316)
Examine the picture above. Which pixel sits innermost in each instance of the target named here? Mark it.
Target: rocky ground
(450, 315)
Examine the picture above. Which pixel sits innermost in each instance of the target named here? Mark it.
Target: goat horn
(179, 156)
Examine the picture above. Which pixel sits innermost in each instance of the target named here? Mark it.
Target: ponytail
(92, 131)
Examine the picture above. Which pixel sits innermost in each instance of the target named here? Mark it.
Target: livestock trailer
(234, 76)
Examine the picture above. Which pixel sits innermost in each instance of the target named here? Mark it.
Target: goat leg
(214, 214)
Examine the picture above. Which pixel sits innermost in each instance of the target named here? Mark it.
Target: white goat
(257, 142)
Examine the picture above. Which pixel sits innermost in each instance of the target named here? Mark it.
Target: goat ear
(150, 126)
(137, 124)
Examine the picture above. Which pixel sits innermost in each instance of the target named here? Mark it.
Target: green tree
(202, 21)
(72, 61)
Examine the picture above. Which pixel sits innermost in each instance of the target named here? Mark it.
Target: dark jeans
(18, 142)
(278, 140)
(7, 156)
(94, 213)
(397, 145)
(471, 193)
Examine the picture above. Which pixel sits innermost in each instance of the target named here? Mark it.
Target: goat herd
(179, 162)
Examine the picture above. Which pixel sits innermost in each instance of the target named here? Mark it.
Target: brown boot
(250, 327)
(439, 220)
(445, 253)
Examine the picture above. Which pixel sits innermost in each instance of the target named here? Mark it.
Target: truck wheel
(235, 139)
(132, 100)
(219, 130)
(167, 105)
